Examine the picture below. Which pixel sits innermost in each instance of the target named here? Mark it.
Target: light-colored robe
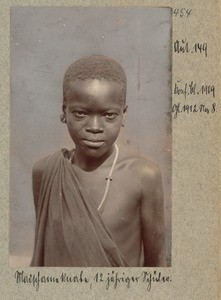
(69, 228)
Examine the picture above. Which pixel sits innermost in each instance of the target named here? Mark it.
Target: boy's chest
(121, 205)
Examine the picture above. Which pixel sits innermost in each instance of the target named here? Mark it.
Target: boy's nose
(94, 125)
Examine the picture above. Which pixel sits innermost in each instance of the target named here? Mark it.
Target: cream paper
(195, 270)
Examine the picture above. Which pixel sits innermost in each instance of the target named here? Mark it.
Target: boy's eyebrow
(108, 109)
(82, 106)
(78, 106)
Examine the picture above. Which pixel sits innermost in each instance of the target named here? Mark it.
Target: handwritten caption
(182, 12)
(187, 89)
(183, 46)
(195, 93)
(192, 88)
(105, 280)
(179, 108)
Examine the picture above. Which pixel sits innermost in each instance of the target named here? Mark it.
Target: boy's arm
(152, 217)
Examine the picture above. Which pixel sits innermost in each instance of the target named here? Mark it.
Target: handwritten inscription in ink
(183, 46)
(106, 280)
(179, 108)
(191, 88)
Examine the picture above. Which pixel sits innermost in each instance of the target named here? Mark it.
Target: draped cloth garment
(69, 228)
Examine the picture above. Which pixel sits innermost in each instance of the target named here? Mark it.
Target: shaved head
(94, 67)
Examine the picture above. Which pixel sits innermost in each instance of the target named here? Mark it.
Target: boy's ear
(64, 107)
(124, 115)
(63, 115)
(125, 109)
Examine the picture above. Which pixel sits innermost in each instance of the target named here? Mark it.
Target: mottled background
(44, 41)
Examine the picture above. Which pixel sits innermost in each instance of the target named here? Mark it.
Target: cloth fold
(69, 228)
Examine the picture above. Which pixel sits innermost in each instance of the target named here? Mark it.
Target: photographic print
(90, 101)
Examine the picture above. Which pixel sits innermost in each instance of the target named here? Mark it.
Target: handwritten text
(183, 46)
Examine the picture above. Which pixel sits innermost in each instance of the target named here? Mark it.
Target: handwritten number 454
(182, 12)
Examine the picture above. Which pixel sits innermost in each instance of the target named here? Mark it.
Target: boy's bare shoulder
(142, 165)
(149, 174)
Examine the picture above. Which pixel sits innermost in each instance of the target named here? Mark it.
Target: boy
(97, 205)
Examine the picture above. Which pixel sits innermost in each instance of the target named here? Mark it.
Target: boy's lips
(93, 144)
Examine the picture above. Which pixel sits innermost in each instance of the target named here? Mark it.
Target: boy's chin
(95, 151)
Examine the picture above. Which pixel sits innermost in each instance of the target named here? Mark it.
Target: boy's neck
(90, 164)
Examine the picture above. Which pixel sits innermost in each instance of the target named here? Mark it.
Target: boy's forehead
(95, 87)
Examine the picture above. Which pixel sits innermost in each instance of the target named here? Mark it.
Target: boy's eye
(110, 116)
(79, 114)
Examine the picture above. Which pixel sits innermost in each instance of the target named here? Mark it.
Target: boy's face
(94, 113)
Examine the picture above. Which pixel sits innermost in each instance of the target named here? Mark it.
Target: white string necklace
(109, 178)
